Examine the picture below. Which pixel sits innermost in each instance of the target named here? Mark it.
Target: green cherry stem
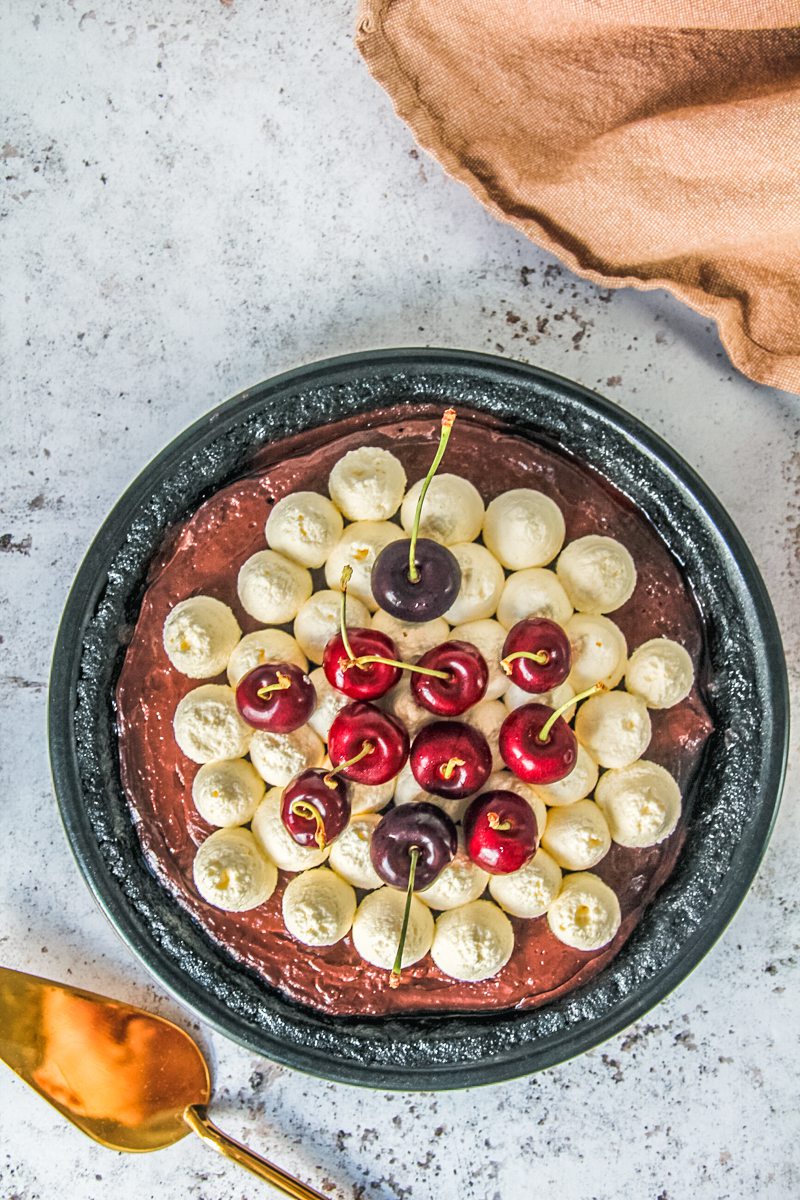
(347, 575)
(393, 662)
(282, 684)
(494, 822)
(448, 417)
(537, 656)
(544, 732)
(309, 812)
(329, 777)
(446, 769)
(394, 980)
(366, 659)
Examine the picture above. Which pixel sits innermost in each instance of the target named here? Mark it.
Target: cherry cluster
(417, 580)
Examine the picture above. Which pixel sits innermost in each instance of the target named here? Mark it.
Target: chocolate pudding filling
(203, 556)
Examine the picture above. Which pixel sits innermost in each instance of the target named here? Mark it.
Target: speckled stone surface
(195, 197)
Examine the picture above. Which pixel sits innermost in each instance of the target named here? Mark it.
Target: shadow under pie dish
(185, 528)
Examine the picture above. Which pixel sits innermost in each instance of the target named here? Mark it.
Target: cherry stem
(494, 822)
(394, 981)
(309, 812)
(544, 732)
(446, 770)
(282, 684)
(366, 659)
(393, 662)
(329, 777)
(448, 417)
(537, 656)
(347, 575)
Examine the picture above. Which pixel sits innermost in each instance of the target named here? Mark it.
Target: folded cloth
(646, 143)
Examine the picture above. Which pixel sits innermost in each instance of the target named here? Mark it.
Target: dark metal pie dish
(733, 797)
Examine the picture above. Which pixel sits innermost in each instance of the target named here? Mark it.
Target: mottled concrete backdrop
(197, 195)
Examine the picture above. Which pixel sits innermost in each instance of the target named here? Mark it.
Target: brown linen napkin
(647, 143)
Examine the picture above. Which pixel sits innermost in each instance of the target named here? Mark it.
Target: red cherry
(466, 682)
(276, 696)
(366, 682)
(315, 807)
(527, 754)
(451, 759)
(359, 725)
(537, 655)
(500, 832)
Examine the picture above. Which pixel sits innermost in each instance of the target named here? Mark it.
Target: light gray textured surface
(196, 196)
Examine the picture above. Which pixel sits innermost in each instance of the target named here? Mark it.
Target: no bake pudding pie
(407, 741)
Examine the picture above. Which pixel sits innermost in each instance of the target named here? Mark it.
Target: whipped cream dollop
(330, 702)
(579, 783)
(515, 696)
(488, 635)
(482, 581)
(358, 547)
(199, 636)
(272, 588)
(460, 882)
(227, 792)
(452, 511)
(207, 724)
(401, 702)
(530, 891)
(377, 925)
(232, 872)
(318, 620)
(586, 913)
(318, 907)
(264, 646)
(472, 942)
(412, 638)
(487, 717)
(304, 526)
(599, 651)
(661, 672)
(641, 803)
(535, 592)
(597, 573)
(614, 727)
(576, 835)
(524, 528)
(350, 853)
(367, 484)
(278, 757)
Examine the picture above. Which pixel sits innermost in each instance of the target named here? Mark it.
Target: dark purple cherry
(420, 826)
(450, 759)
(466, 682)
(374, 743)
(410, 847)
(365, 681)
(537, 655)
(418, 580)
(315, 807)
(278, 697)
(500, 832)
(430, 594)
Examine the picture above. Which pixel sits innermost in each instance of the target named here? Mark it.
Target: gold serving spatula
(128, 1079)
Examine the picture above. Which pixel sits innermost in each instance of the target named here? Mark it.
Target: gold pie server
(130, 1080)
